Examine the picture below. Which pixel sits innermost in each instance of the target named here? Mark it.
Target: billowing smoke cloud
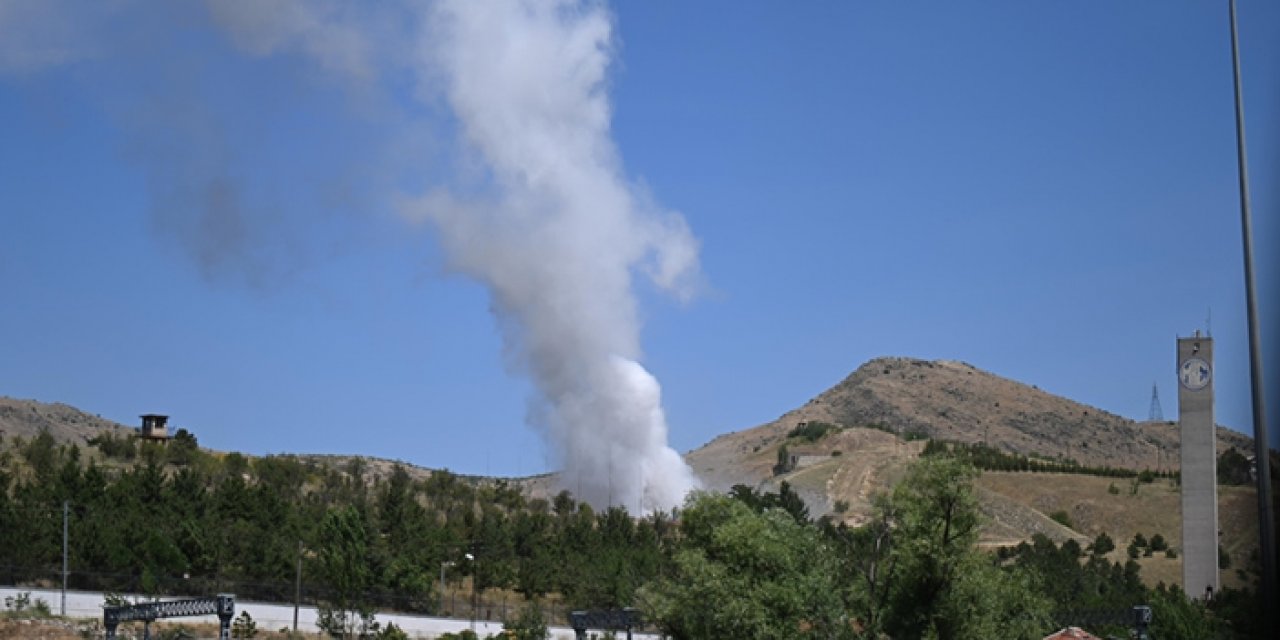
(557, 234)
(201, 91)
(537, 207)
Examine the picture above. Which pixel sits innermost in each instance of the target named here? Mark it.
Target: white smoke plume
(539, 208)
(557, 234)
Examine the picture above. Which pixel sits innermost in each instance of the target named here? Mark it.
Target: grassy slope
(1154, 508)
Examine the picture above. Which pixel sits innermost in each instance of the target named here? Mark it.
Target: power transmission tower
(1156, 414)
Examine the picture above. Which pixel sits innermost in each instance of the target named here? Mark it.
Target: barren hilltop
(957, 402)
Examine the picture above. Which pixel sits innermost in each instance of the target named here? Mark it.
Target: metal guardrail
(224, 605)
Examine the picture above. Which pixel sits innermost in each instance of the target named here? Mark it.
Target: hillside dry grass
(1015, 505)
(1154, 508)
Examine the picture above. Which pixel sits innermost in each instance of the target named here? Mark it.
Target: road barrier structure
(224, 605)
(607, 619)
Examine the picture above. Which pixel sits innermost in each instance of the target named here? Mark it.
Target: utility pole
(1266, 524)
(297, 588)
(65, 514)
(475, 576)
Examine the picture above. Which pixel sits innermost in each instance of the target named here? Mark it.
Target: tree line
(145, 522)
(749, 563)
(988, 458)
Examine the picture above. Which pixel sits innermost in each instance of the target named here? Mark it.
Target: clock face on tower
(1194, 374)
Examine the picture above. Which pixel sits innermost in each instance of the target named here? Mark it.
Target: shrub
(1113, 489)
(1102, 545)
(934, 447)
(1158, 543)
(178, 632)
(784, 461)
(244, 626)
(1234, 468)
(528, 624)
(23, 605)
(392, 632)
(812, 431)
(1061, 518)
(465, 634)
(122, 448)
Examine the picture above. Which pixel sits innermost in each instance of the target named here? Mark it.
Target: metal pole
(475, 576)
(297, 588)
(1266, 524)
(65, 512)
(444, 564)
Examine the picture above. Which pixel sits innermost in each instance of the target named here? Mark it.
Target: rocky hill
(958, 402)
(882, 413)
(67, 424)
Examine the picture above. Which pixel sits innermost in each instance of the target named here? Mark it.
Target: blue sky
(1044, 190)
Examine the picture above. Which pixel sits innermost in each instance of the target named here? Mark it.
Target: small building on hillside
(802, 456)
(154, 427)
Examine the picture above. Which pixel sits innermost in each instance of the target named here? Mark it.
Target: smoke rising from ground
(535, 205)
(557, 234)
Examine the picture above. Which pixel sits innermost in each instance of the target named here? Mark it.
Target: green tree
(934, 582)
(742, 574)
(343, 566)
(402, 523)
(1158, 543)
(784, 461)
(182, 449)
(1102, 545)
(528, 624)
(1174, 616)
(937, 522)
(985, 601)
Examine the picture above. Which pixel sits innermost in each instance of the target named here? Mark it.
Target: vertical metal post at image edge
(1266, 523)
(297, 588)
(65, 515)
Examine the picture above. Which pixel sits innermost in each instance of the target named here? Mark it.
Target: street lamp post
(297, 588)
(475, 575)
(1266, 522)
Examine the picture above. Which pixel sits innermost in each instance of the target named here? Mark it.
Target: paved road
(88, 604)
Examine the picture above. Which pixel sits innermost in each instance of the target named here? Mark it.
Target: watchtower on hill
(154, 427)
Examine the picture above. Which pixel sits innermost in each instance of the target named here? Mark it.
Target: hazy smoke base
(547, 220)
(558, 233)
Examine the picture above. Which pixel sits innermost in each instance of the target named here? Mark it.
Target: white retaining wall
(88, 604)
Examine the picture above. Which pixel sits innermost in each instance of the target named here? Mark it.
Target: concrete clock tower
(1199, 466)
